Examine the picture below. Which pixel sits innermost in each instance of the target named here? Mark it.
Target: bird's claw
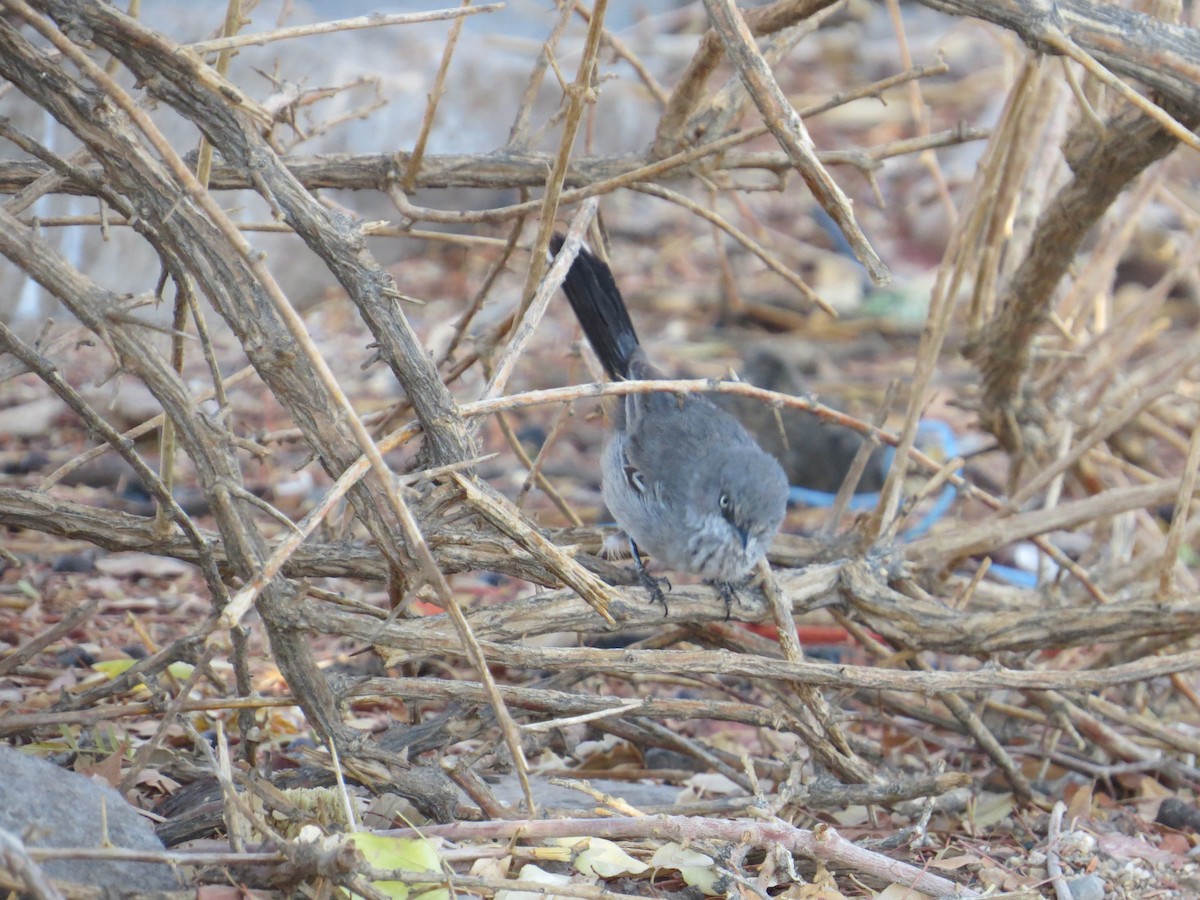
(728, 592)
(648, 581)
(655, 587)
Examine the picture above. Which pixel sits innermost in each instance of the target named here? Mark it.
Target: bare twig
(532, 314)
(578, 94)
(16, 859)
(377, 20)
(435, 97)
(789, 130)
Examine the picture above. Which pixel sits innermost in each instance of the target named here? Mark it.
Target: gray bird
(684, 480)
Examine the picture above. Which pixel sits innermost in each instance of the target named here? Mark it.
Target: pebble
(1087, 887)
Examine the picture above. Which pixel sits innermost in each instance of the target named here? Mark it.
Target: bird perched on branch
(685, 480)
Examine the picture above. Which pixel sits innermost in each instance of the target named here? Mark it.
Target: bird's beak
(744, 534)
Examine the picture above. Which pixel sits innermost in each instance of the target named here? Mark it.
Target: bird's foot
(648, 581)
(728, 592)
(655, 587)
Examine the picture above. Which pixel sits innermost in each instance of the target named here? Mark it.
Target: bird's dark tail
(601, 311)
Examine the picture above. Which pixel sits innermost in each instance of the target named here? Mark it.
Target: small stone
(1087, 887)
(1076, 843)
(32, 419)
(74, 562)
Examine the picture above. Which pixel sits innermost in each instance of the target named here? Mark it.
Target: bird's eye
(725, 503)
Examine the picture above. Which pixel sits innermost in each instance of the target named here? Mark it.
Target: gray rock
(47, 806)
(1087, 887)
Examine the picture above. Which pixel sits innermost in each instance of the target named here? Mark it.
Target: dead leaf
(107, 770)
(1079, 805)
(950, 863)
(1122, 846)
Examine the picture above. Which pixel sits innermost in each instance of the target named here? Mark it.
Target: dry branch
(689, 91)
(194, 248)
(824, 843)
(377, 20)
(788, 128)
(1103, 165)
(1160, 55)
(173, 78)
(587, 176)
